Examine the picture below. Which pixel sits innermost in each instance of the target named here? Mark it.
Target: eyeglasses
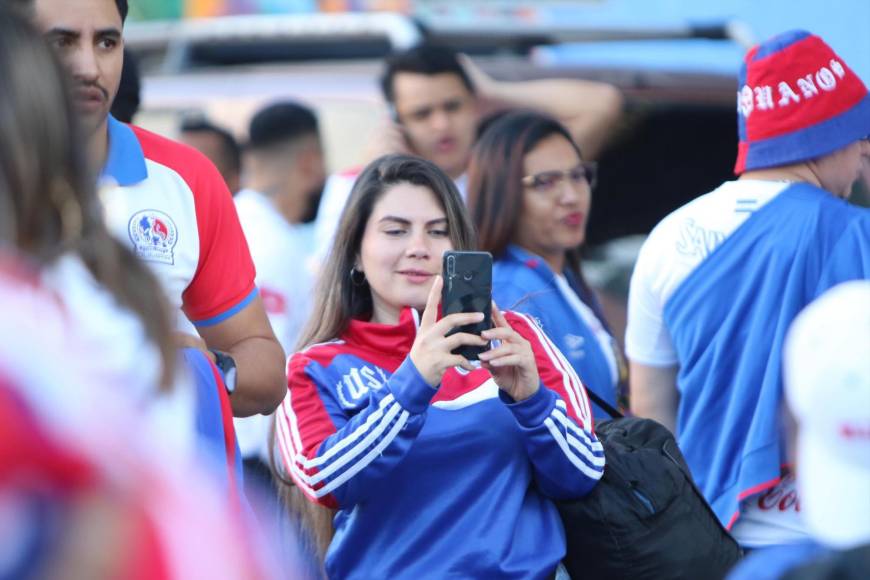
(546, 181)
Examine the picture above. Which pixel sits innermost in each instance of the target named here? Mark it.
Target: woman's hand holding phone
(431, 351)
(512, 363)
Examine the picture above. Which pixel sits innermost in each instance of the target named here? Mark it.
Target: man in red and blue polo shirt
(170, 205)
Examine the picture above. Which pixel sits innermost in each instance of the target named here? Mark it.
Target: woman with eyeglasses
(529, 193)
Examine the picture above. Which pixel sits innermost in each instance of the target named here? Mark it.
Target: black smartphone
(468, 288)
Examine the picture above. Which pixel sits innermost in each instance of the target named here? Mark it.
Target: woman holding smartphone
(529, 193)
(436, 467)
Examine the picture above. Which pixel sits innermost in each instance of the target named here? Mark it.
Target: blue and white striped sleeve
(567, 457)
(335, 460)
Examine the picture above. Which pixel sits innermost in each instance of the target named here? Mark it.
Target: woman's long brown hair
(495, 174)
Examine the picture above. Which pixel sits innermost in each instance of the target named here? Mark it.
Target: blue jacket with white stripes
(448, 482)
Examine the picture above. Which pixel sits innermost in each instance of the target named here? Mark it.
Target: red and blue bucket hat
(797, 101)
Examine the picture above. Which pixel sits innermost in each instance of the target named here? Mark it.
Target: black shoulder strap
(610, 410)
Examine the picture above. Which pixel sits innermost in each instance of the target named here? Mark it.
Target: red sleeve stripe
(387, 409)
(572, 384)
(287, 420)
(287, 450)
(305, 471)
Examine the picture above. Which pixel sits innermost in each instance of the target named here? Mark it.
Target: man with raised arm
(436, 99)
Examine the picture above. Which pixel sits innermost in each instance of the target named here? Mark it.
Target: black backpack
(645, 518)
(851, 564)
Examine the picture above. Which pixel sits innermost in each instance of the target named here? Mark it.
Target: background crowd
(217, 359)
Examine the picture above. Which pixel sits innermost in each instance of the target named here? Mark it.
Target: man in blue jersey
(826, 372)
(720, 279)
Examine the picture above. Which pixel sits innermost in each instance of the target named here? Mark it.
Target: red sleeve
(555, 371)
(224, 280)
(302, 424)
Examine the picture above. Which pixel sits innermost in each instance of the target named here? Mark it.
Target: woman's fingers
(500, 334)
(450, 322)
(462, 339)
(498, 318)
(430, 313)
(512, 360)
(502, 350)
(460, 361)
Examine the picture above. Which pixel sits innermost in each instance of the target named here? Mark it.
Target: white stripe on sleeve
(570, 381)
(581, 465)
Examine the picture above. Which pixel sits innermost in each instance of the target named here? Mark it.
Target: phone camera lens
(451, 265)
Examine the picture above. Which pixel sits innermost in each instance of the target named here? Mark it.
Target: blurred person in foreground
(88, 488)
(437, 467)
(719, 281)
(285, 176)
(216, 143)
(115, 302)
(94, 482)
(826, 362)
(168, 202)
(436, 98)
(51, 214)
(529, 194)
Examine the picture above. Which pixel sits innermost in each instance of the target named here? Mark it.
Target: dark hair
(232, 151)
(122, 9)
(126, 102)
(338, 298)
(425, 59)
(24, 7)
(279, 123)
(48, 202)
(495, 173)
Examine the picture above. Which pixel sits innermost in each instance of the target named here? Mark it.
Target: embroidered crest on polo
(154, 236)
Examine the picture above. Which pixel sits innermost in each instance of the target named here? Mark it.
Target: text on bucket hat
(797, 100)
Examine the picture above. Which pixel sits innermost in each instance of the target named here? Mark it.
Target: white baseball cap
(827, 386)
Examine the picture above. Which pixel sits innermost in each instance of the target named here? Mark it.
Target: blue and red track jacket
(447, 482)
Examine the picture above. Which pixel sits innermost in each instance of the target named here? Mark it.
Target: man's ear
(310, 161)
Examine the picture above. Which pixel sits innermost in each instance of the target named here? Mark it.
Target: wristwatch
(227, 366)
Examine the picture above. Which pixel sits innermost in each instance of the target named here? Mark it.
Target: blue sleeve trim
(410, 389)
(531, 412)
(228, 313)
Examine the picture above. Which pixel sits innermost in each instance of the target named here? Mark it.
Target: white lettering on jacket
(355, 385)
